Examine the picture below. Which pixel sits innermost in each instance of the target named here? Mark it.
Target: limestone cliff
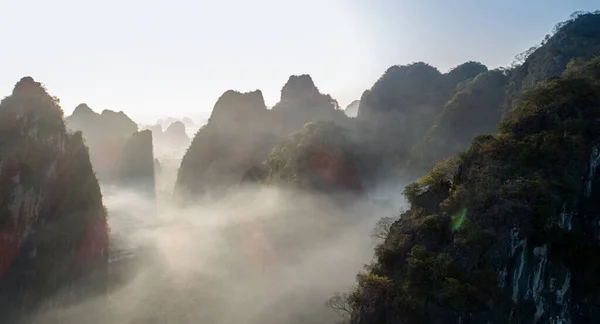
(53, 226)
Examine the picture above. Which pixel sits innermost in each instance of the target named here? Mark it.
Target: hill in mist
(352, 109)
(241, 133)
(166, 122)
(116, 151)
(501, 225)
(170, 143)
(319, 158)
(53, 226)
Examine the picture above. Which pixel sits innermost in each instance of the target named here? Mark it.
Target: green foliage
(320, 157)
(403, 104)
(524, 177)
(578, 37)
(476, 109)
(437, 182)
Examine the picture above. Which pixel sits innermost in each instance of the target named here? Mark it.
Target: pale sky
(155, 59)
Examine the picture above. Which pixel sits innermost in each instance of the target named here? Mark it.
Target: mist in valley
(258, 255)
(208, 172)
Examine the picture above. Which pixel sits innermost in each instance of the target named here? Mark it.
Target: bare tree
(339, 304)
(521, 57)
(382, 228)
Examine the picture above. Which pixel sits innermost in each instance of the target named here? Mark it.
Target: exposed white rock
(51, 174)
(519, 270)
(27, 200)
(594, 161)
(566, 218)
(561, 294)
(541, 254)
(502, 277)
(515, 241)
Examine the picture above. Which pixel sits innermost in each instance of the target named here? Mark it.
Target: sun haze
(154, 58)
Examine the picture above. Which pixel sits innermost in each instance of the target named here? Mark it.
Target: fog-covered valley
(469, 195)
(259, 255)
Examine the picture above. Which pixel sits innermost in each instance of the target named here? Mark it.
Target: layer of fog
(259, 255)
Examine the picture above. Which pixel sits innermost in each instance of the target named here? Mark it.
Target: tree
(340, 305)
(382, 228)
(521, 57)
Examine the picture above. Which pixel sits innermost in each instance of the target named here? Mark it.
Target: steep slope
(402, 105)
(507, 231)
(302, 102)
(172, 143)
(474, 110)
(52, 222)
(352, 109)
(578, 37)
(235, 138)
(319, 158)
(241, 132)
(94, 126)
(477, 105)
(176, 132)
(136, 165)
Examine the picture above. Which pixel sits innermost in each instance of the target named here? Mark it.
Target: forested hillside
(506, 231)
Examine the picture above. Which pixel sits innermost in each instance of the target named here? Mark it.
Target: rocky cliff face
(504, 233)
(53, 225)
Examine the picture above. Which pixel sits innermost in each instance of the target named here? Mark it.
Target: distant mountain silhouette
(170, 143)
(166, 122)
(352, 109)
(111, 137)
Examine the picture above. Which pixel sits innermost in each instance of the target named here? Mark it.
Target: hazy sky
(173, 58)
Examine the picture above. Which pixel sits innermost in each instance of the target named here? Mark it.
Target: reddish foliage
(93, 249)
